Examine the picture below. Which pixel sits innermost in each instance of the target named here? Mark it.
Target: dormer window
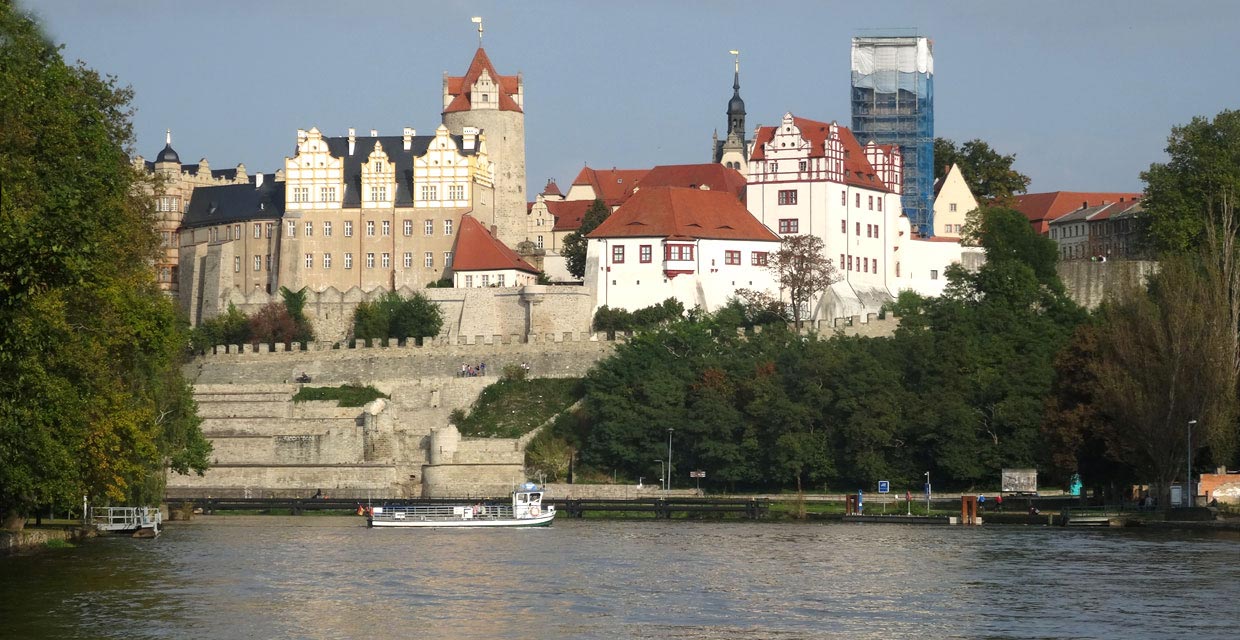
(486, 97)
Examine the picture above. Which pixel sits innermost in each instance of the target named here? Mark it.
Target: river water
(329, 577)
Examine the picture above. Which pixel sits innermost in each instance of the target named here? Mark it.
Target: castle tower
(733, 151)
(485, 100)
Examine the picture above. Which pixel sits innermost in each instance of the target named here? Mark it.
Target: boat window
(520, 498)
(535, 497)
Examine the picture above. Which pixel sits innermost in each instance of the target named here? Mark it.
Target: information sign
(697, 474)
(884, 486)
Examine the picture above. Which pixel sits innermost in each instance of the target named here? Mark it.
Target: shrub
(392, 316)
(345, 395)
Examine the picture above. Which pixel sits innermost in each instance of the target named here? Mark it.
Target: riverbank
(37, 539)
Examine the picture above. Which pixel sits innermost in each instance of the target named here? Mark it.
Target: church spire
(736, 106)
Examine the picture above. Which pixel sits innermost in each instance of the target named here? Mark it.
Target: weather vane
(478, 21)
(737, 63)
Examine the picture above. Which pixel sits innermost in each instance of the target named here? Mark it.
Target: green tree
(803, 271)
(989, 174)
(393, 316)
(1203, 168)
(295, 304)
(91, 400)
(575, 243)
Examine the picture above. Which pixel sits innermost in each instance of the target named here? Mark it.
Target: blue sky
(1083, 92)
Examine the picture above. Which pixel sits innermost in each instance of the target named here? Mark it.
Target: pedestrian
(999, 502)
(464, 369)
(482, 368)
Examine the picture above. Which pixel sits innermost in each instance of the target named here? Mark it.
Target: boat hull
(461, 523)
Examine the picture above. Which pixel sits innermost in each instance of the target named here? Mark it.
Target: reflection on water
(326, 577)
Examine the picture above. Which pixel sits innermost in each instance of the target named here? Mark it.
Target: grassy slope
(512, 408)
(345, 396)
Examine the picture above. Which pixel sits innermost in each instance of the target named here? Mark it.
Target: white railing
(444, 512)
(125, 518)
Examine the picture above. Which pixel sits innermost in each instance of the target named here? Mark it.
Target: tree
(1204, 167)
(802, 270)
(392, 316)
(92, 400)
(989, 174)
(273, 324)
(295, 304)
(575, 243)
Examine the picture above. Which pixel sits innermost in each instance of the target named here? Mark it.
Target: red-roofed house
(698, 246)
(712, 176)
(481, 260)
(612, 186)
(1042, 208)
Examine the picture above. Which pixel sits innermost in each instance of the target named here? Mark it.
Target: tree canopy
(576, 243)
(989, 174)
(394, 316)
(92, 400)
(802, 270)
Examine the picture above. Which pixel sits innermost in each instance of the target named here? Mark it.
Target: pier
(141, 522)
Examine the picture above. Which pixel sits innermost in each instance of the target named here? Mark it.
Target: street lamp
(662, 475)
(927, 493)
(669, 459)
(1189, 484)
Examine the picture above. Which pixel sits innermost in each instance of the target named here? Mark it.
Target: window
(731, 257)
(447, 259)
(871, 203)
(789, 225)
(858, 200)
(873, 265)
(258, 263)
(237, 231)
(850, 263)
(758, 258)
(880, 204)
(934, 274)
(865, 265)
(348, 228)
(802, 166)
(951, 207)
(428, 192)
(327, 229)
(292, 228)
(456, 192)
(378, 166)
(408, 259)
(237, 264)
(644, 254)
(258, 230)
(499, 280)
(409, 227)
(370, 228)
(787, 196)
(378, 193)
(772, 167)
(539, 244)
(428, 260)
(429, 227)
(370, 261)
(327, 194)
(447, 227)
(617, 254)
(387, 228)
(309, 260)
(844, 198)
(682, 252)
(309, 229)
(387, 260)
(301, 194)
(868, 231)
(348, 260)
(469, 282)
(486, 280)
(269, 226)
(843, 226)
(327, 261)
(268, 262)
(841, 263)
(858, 228)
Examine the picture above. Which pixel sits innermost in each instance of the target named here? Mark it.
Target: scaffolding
(893, 103)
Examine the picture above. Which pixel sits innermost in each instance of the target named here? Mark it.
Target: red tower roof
(459, 86)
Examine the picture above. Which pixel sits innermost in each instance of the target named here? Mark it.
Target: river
(328, 577)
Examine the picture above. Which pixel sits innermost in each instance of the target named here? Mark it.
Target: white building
(698, 246)
(481, 260)
(953, 201)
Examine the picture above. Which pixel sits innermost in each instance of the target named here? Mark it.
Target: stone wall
(1089, 283)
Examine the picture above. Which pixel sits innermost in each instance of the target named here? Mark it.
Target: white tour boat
(526, 510)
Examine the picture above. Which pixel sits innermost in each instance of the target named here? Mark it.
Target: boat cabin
(527, 501)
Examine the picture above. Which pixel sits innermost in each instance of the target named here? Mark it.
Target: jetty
(140, 522)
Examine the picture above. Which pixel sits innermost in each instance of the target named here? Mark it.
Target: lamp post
(662, 475)
(1189, 478)
(927, 493)
(669, 459)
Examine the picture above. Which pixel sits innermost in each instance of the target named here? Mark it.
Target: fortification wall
(1090, 283)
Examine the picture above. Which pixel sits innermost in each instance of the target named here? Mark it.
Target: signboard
(697, 474)
(884, 486)
(1020, 481)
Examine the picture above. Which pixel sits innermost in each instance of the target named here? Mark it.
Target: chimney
(469, 137)
(258, 180)
(409, 133)
(1084, 204)
(374, 133)
(352, 139)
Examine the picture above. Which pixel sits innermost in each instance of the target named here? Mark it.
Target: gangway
(142, 522)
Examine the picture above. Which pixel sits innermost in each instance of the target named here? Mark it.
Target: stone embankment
(35, 539)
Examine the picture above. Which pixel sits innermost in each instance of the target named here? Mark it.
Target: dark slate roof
(230, 203)
(394, 147)
(192, 169)
(168, 155)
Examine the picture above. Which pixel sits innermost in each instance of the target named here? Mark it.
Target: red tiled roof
(552, 189)
(678, 212)
(712, 175)
(612, 186)
(568, 214)
(459, 86)
(477, 250)
(857, 168)
(1041, 208)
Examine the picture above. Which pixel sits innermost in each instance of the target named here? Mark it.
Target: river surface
(329, 577)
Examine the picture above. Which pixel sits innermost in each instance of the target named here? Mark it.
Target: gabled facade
(612, 186)
(694, 245)
(1105, 232)
(1042, 208)
(953, 200)
(483, 261)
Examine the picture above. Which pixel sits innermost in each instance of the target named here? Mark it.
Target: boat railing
(125, 518)
(442, 512)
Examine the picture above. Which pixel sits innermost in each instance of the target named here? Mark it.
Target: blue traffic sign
(884, 486)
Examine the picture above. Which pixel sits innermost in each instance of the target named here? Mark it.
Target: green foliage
(511, 408)
(442, 283)
(231, 327)
(989, 174)
(575, 244)
(91, 399)
(803, 271)
(613, 320)
(295, 305)
(345, 395)
(1204, 167)
(392, 316)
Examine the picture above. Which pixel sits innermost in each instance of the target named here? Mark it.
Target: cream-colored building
(953, 200)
